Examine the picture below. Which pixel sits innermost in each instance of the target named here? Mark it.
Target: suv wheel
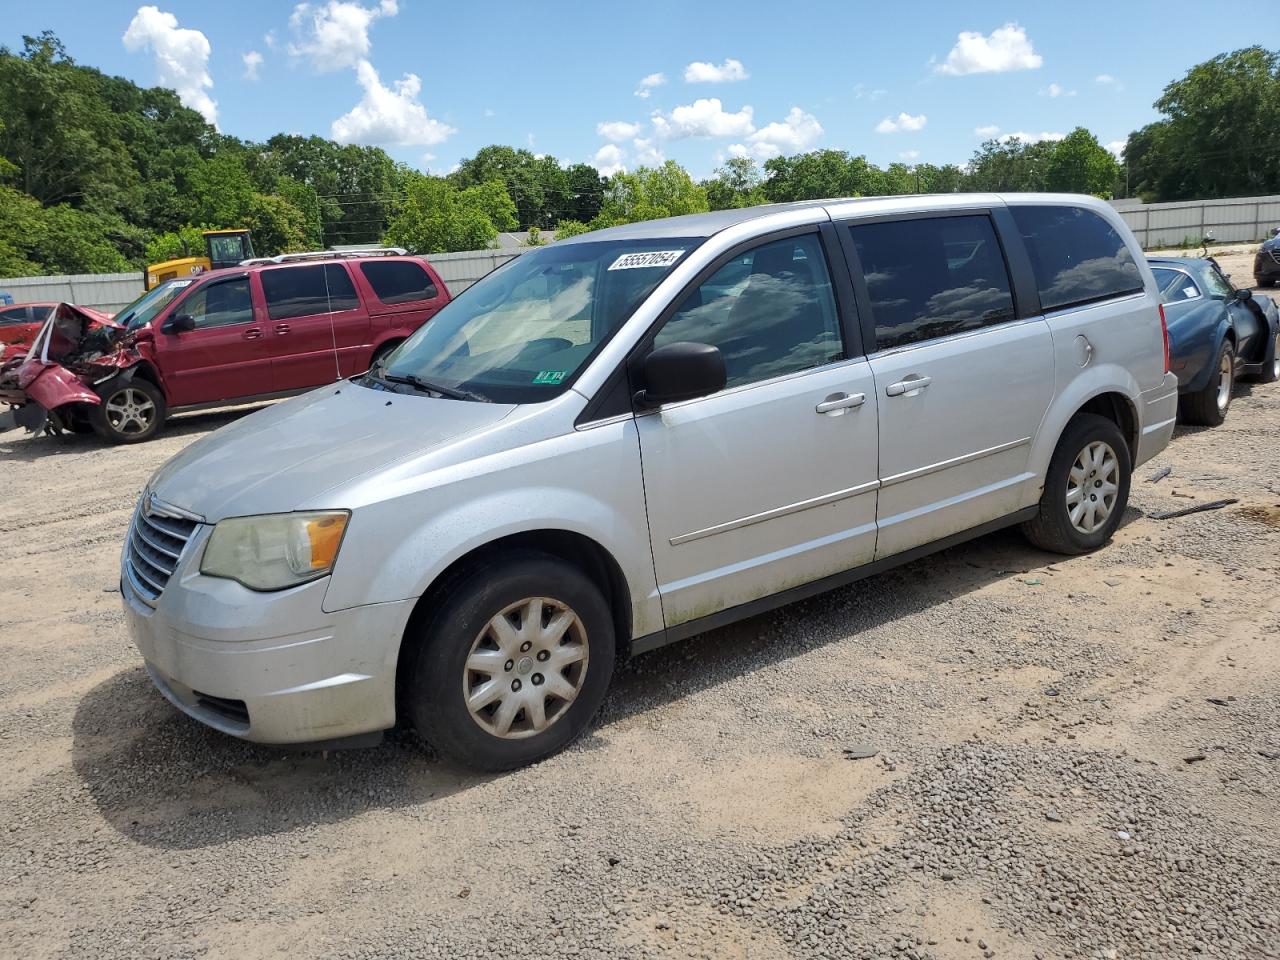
(130, 412)
(1086, 489)
(514, 664)
(1208, 407)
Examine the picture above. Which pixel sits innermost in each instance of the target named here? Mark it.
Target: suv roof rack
(326, 255)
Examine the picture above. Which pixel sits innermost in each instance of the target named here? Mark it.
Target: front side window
(770, 311)
(1219, 286)
(307, 291)
(1077, 256)
(932, 277)
(398, 281)
(220, 304)
(523, 333)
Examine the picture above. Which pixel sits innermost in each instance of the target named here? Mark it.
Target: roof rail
(326, 255)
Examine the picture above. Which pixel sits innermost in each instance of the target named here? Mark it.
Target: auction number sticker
(654, 258)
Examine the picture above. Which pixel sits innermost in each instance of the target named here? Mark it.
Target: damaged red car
(20, 323)
(265, 329)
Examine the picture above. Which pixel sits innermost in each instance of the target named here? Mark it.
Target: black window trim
(1016, 264)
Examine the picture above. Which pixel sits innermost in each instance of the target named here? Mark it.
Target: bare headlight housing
(275, 551)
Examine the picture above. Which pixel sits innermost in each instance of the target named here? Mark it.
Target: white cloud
(617, 130)
(1056, 90)
(793, 135)
(1004, 50)
(335, 34)
(648, 152)
(1031, 137)
(730, 71)
(252, 61)
(703, 118)
(648, 83)
(909, 154)
(903, 122)
(1107, 80)
(269, 38)
(182, 57)
(609, 160)
(986, 132)
(389, 116)
(861, 92)
(1116, 147)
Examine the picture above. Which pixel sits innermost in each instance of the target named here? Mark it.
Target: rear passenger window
(398, 281)
(304, 291)
(1174, 285)
(770, 311)
(1077, 256)
(932, 277)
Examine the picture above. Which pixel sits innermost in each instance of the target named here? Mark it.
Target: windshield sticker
(550, 376)
(655, 258)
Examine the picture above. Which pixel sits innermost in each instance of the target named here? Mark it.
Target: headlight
(276, 550)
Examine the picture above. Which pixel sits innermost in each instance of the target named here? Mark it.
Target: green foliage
(649, 193)
(535, 238)
(58, 238)
(571, 228)
(1220, 132)
(1075, 164)
(738, 183)
(544, 192)
(437, 217)
(186, 241)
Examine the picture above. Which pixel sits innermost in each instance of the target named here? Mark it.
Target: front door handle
(841, 401)
(908, 386)
(253, 333)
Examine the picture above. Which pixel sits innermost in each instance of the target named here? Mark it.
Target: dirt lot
(1076, 758)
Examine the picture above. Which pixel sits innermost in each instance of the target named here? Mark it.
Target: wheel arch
(1109, 391)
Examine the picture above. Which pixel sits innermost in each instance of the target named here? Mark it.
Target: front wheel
(130, 412)
(513, 665)
(1086, 489)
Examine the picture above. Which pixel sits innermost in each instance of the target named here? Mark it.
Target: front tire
(514, 664)
(130, 412)
(1086, 488)
(1208, 407)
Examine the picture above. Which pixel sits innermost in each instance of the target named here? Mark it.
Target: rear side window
(398, 281)
(932, 277)
(1077, 256)
(1174, 285)
(305, 291)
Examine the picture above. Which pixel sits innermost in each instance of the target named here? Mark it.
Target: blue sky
(432, 82)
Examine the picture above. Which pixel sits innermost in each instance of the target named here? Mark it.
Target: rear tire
(130, 412)
(1265, 281)
(1086, 488)
(491, 687)
(1208, 407)
(381, 353)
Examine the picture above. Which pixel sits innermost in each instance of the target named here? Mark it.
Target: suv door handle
(910, 385)
(253, 333)
(282, 328)
(841, 401)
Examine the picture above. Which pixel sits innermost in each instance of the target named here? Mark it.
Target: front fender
(55, 386)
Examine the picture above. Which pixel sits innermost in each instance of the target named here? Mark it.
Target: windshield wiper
(417, 382)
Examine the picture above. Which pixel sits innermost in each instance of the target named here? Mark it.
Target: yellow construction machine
(223, 248)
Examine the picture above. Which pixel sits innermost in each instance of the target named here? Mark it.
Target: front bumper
(1159, 417)
(268, 667)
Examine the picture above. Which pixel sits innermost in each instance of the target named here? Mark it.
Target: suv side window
(220, 303)
(771, 311)
(931, 277)
(398, 281)
(306, 291)
(1076, 255)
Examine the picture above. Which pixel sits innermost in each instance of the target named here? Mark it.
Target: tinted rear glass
(1077, 256)
(305, 291)
(398, 281)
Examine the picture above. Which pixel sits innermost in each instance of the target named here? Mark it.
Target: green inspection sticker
(550, 376)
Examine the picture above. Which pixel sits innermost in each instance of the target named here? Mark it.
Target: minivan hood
(281, 458)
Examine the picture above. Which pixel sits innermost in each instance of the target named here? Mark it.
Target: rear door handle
(909, 385)
(253, 333)
(841, 401)
(282, 328)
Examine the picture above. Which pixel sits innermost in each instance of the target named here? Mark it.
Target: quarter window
(771, 311)
(220, 304)
(398, 281)
(1174, 285)
(1077, 256)
(306, 291)
(932, 277)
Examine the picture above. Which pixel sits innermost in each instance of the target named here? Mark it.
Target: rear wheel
(514, 663)
(1265, 281)
(1086, 489)
(381, 353)
(1270, 372)
(1208, 407)
(130, 412)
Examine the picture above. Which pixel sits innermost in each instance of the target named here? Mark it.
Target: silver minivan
(627, 438)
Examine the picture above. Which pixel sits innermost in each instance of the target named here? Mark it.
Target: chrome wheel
(1092, 487)
(1226, 373)
(525, 668)
(130, 411)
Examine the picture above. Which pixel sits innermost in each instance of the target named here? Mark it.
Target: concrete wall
(1233, 220)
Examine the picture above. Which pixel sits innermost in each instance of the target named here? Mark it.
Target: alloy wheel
(130, 411)
(1093, 486)
(1226, 371)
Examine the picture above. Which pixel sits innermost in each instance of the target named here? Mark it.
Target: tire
(130, 412)
(1265, 281)
(463, 633)
(1208, 407)
(1052, 528)
(1270, 372)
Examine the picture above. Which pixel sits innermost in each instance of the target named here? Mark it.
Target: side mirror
(1244, 294)
(182, 323)
(681, 371)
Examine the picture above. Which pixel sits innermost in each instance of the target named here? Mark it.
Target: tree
(650, 193)
(58, 239)
(739, 182)
(186, 241)
(437, 217)
(819, 174)
(1080, 164)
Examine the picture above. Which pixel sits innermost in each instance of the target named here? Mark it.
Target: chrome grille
(156, 542)
(1275, 254)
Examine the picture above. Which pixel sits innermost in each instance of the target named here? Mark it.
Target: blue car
(1216, 334)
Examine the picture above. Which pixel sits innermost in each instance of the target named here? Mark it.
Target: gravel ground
(1072, 758)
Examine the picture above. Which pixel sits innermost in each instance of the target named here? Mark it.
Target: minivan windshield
(521, 334)
(143, 310)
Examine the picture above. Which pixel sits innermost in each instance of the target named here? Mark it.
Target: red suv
(266, 328)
